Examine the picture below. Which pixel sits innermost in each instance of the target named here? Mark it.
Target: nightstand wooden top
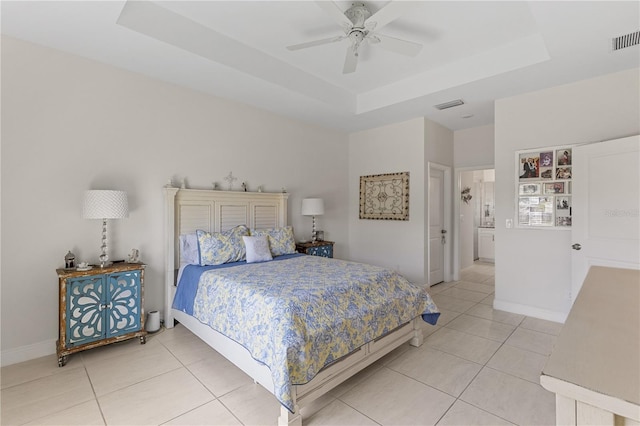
(95, 269)
(308, 244)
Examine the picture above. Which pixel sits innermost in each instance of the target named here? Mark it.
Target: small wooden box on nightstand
(99, 306)
(319, 248)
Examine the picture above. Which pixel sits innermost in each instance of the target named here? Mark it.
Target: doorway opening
(475, 213)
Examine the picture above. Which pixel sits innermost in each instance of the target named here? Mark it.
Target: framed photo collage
(544, 187)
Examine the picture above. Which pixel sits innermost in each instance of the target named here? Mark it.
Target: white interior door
(437, 227)
(606, 207)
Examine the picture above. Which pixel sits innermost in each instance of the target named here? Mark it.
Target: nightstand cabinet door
(85, 310)
(324, 251)
(318, 248)
(123, 313)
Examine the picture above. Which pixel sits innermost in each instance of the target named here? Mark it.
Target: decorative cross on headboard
(230, 179)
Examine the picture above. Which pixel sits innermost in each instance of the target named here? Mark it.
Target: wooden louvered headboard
(187, 210)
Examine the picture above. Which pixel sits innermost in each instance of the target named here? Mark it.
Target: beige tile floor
(478, 366)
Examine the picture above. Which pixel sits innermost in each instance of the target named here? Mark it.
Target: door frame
(447, 188)
(456, 214)
(581, 261)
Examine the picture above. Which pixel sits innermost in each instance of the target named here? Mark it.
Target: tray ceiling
(475, 51)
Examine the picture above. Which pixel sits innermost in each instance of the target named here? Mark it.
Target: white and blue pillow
(257, 248)
(189, 254)
(216, 248)
(281, 240)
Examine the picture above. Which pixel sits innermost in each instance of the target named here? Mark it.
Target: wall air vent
(449, 104)
(627, 40)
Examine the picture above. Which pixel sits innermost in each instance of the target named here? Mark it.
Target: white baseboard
(26, 353)
(530, 311)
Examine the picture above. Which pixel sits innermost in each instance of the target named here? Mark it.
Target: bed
(277, 298)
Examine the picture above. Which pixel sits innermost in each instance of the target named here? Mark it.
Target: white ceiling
(476, 51)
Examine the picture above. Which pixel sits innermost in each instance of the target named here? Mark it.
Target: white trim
(604, 404)
(170, 249)
(530, 311)
(456, 215)
(28, 352)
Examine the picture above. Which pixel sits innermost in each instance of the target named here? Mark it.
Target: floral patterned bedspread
(300, 314)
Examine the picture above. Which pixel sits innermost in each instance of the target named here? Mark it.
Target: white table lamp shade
(312, 207)
(105, 204)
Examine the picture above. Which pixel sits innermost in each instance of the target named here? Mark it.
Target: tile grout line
(458, 398)
(71, 406)
(93, 390)
(485, 363)
(215, 398)
(483, 366)
(354, 409)
(141, 381)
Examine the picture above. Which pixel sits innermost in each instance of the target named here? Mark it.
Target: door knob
(444, 231)
(576, 246)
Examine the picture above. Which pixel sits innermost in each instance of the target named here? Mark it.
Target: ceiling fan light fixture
(356, 37)
(358, 13)
(359, 25)
(450, 104)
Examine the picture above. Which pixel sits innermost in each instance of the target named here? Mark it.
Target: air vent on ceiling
(450, 104)
(626, 40)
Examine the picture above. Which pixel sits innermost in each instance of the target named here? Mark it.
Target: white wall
(473, 149)
(438, 143)
(467, 228)
(533, 267)
(70, 124)
(390, 243)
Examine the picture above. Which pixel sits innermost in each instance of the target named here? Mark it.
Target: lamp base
(313, 230)
(104, 257)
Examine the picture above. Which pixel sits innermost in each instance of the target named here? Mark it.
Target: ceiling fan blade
(390, 12)
(336, 13)
(350, 61)
(404, 47)
(316, 43)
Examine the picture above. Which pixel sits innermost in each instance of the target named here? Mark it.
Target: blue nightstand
(319, 248)
(99, 306)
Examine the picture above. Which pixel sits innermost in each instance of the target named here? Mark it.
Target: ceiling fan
(360, 25)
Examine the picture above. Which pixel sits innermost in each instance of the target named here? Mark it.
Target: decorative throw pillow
(216, 248)
(257, 249)
(281, 240)
(235, 237)
(189, 249)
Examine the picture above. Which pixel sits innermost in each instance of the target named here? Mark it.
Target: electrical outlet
(509, 223)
